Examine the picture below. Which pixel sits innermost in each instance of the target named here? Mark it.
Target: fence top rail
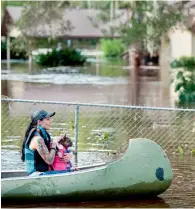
(96, 105)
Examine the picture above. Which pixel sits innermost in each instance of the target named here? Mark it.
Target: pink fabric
(58, 164)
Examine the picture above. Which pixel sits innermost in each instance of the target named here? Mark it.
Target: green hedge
(112, 48)
(64, 57)
(3, 50)
(185, 79)
(14, 53)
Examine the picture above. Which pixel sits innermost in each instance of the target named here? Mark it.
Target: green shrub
(185, 79)
(184, 62)
(17, 50)
(112, 48)
(3, 50)
(64, 57)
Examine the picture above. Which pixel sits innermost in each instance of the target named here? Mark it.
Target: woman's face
(45, 123)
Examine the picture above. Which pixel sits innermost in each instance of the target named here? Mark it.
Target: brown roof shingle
(7, 20)
(75, 23)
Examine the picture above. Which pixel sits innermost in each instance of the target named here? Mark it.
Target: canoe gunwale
(81, 168)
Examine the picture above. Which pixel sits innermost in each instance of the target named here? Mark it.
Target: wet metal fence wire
(105, 129)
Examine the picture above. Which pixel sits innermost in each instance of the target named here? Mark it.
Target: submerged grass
(104, 128)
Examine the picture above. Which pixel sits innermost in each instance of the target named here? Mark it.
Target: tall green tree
(144, 25)
(146, 21)
(39, 13)
(42, 12)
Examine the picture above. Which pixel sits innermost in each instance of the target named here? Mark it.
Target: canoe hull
(144, 170)
(139, 191)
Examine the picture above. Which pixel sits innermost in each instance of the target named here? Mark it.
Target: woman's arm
(43, 151)
(37, 143)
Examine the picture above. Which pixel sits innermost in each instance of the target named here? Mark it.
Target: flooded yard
(107, 84)
(93, 89)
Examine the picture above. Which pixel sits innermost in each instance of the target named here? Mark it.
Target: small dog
(62, 149)
(67, 143)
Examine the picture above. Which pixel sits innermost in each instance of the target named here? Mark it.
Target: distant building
(75, 24)
(182, 40)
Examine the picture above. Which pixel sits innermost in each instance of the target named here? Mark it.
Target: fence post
(76, 133)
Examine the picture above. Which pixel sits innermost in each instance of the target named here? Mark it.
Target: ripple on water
(65, 79)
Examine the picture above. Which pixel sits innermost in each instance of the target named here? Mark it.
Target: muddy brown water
(180, 194)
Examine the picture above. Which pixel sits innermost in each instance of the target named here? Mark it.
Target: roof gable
(75, 23)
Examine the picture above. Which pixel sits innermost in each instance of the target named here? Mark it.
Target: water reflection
(81, 93)
(111, 74)
(182, 191)
(12, 89)
(5, 88)
(149, 203)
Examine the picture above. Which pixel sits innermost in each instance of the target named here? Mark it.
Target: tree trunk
(89, 4)
(97, 61)
(4, 88)
(134, 83)
(165, 72)
(30, 57)
(8, 52)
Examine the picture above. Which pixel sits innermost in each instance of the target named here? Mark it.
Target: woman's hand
(67, 157)
(56, 139)
(74, 168)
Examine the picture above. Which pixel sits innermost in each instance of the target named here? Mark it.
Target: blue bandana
(43, 131)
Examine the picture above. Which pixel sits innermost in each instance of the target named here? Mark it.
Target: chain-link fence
(102, 128)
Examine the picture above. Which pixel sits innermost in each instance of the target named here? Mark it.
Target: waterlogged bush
(112, 48)
(64, 57)
(17, 50)
(184, 79)
(3, 50)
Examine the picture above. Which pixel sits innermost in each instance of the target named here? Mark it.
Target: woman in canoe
(39, 148)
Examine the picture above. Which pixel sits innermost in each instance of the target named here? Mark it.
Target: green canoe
(144, 170)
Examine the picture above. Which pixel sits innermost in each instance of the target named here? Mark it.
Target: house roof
(189, 12)
(79, 23)
(190, 22)
(14, 12)
(76, 23)
(5, 22)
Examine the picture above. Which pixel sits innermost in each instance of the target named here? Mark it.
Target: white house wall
(181, 43)
(193, 44)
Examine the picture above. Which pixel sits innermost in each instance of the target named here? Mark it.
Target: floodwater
(93, 89)
(181, 194)
(85, 86)
(79, 88)
(81, 93)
